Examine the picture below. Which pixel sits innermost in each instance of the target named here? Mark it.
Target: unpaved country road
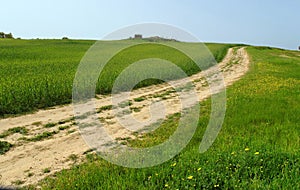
(53, 142)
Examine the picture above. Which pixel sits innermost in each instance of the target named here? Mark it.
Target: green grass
(257, 148)
(125, 104)
(42, 136)
(18, 182)
(4, 147)
(39, 73)
(21, 130)
(104, 108)
(46, 170)
(149, 50)
(71, 131)
(37, 123)
(50, 125)
(64, 127)
(73, 157)
(158, 136)
(139, 99)
(136, 109)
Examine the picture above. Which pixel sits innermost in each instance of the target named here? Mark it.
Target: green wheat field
(258, 146)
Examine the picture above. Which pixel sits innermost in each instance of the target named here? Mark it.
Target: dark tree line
(3, 35)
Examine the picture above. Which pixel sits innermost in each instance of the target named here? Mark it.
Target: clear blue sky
(258, 22)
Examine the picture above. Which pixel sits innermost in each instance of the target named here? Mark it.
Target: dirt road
(50, 140)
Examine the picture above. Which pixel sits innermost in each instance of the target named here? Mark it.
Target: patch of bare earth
(53, 142)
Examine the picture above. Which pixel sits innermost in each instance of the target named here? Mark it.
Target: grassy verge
(257, 148)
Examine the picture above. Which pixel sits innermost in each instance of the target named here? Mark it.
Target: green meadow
(38, 74)
(257, 148)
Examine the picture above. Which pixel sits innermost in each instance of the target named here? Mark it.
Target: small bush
(4, 147)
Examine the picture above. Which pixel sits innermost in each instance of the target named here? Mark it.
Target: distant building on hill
(138, 36)
(151, 39)
(158, 39)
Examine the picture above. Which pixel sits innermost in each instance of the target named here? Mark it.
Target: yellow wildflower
(190, 177)
(173, 164)
(199, 169)
(256, 153)
(247, 149)
(166, 185)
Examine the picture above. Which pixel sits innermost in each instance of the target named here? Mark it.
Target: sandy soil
(30, 160)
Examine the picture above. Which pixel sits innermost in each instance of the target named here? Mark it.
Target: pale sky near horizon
(256, 22)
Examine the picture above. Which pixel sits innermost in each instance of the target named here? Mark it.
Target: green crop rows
(38, 74)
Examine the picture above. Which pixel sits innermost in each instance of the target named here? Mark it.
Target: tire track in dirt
(52, 141)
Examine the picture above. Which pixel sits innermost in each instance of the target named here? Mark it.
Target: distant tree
(9, 35)
(65, 38)
(299, 47)
(2, 34)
